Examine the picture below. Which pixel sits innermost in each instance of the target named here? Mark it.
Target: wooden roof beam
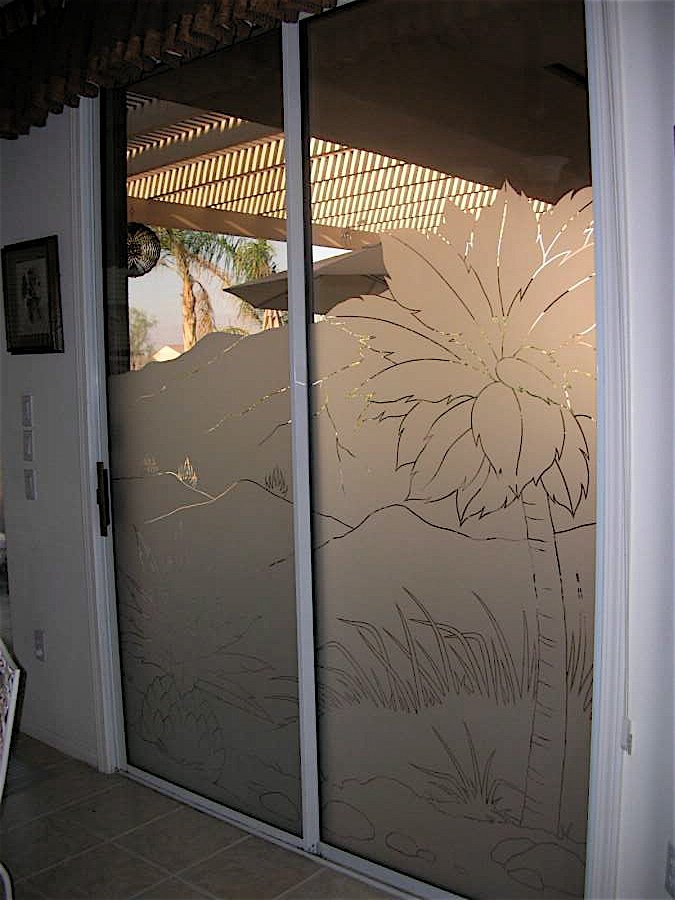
(159, 114)
(211, 141)
(218, 221)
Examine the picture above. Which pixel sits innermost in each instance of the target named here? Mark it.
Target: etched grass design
(580, 664)
(472, 787)
(424, 661)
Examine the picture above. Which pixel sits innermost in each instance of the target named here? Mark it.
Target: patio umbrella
(335, 279)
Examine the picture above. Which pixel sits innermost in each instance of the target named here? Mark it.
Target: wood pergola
(391, 141)
(194, 169)
(212, 160)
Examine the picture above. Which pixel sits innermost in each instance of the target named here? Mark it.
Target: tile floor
(69, 832)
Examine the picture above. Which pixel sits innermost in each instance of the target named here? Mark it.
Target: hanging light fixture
(143, 249)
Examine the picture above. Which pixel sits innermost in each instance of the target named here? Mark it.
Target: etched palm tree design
(489, 340)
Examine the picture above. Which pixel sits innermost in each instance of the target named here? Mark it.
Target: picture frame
(32, 295)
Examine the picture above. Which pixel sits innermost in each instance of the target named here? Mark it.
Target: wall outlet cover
(39, 648)
(27, 410)
(29, 484)
(670, 869)
(28, 449)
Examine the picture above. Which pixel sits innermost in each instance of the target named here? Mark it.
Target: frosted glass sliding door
(452, 439)
(200, 441)
(453, 417)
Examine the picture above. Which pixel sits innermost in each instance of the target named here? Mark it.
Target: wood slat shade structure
(175, 180)
(52, 52)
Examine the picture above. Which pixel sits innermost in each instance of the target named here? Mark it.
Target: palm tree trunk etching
(546, 757)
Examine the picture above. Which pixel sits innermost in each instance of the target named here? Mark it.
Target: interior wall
(46, 542)
(646, 85)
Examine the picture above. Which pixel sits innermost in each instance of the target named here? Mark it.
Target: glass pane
(453, 367)
(201, 458)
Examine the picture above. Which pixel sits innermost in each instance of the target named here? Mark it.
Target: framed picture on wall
(32, 295)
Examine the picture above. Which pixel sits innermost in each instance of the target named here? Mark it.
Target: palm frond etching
(489, 345)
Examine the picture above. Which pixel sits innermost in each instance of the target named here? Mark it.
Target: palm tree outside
(229, 259)
(495, 390)
(140, 343)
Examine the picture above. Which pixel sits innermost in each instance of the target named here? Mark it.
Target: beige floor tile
(127, 806)
(30, 762)
(23, 891)
(105, 873)
(117, 811)
(66, 784)
(28, 750)
(108, 838)
(41, 843)
(22, 775)
(332, 885)
(172, 889)
(250, 870)
(181, 839)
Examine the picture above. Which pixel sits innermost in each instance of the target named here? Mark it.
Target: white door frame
(299, 264)
(86, 223)
(613, 455)
(610, 723)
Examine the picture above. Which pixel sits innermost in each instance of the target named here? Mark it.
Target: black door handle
(102, 498)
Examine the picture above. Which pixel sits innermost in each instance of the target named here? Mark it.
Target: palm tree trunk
(189, 314)
(546, 758)
(189, 317)
(205, 322)
(271, 319)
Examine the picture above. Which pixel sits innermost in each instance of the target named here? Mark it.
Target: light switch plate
(29, 485)
(39, 646)
(670, 869)
(28, 445)
(27, 410)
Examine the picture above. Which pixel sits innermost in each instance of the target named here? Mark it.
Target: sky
(158, 294)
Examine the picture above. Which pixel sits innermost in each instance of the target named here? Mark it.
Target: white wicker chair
(9, 691)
